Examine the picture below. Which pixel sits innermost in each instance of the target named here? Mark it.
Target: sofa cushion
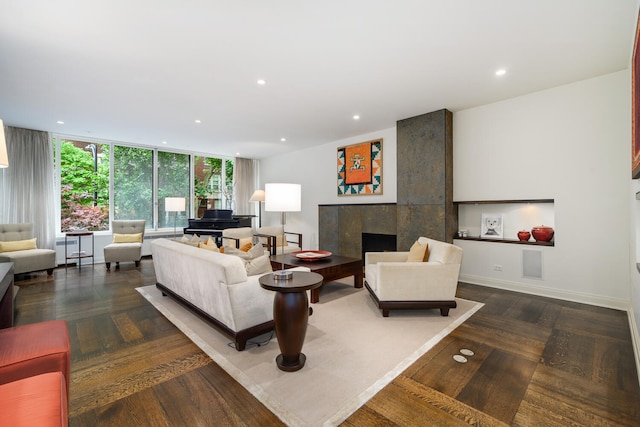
(18, 245)
(35, 401)
(127, 238)
(30, 260)
(259, 265)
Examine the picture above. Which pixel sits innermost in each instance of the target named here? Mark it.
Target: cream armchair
(127, 242)
(271, 238)
(19, 247)
(237, 237)
(396, 284)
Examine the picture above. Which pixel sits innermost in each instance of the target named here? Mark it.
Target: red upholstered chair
(40, 401)
(35, 349)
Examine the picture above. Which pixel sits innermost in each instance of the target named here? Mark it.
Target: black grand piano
(215, 220)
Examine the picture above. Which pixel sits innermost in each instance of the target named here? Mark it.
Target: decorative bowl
(524, 235)
(542, 233)
(311, 255)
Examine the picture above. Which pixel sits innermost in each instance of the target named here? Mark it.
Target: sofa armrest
(231, 238)
(297, 238)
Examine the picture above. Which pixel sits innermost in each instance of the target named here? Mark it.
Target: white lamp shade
(282, 197)
(174, 204)
(4, 159)
(257, 196)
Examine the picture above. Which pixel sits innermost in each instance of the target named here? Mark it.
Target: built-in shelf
(498, 202)
(514, 241)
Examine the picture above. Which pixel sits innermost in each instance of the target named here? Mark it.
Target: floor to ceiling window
(102, 181)
(133, 183)
(173, 181)
(213, 184)
(84, 185)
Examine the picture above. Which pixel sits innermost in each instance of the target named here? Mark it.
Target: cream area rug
(352, 352)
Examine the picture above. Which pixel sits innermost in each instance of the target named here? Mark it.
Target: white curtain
(245, 182)
(27, 185)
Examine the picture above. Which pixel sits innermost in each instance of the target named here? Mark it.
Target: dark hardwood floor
(537, 362)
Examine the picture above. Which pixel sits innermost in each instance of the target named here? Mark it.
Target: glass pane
(173, 181)
(133, 184)
(212, 189)
(84, 185)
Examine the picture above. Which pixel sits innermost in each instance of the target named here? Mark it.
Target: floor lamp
(282, 198)
(258, 196)
(175, 205)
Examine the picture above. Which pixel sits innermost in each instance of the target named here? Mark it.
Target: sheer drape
(27, 185)
(245, 176)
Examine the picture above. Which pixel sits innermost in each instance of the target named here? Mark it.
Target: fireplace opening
(374, 242)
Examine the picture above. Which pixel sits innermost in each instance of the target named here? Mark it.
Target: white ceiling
(141, 71)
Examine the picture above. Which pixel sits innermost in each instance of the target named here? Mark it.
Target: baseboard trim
(635, 338)
(579, 297)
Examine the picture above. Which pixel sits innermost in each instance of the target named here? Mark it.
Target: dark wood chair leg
(444, 311)
(385, 312)
(49, 271)
(108, 264)
(117, 265)
(138, 263)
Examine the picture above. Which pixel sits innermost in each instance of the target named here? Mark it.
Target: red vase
(524, 235)
(542, 233)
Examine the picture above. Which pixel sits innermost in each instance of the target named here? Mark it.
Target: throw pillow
(417, 252)
(259, 265)
(18, 245)
(195, 238)
(256, 251)
(127, 238)
(246, 247)
(209, 246)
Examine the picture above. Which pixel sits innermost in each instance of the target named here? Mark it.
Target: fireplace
(375, 242)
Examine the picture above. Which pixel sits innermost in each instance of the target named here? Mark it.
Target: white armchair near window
(396, 284)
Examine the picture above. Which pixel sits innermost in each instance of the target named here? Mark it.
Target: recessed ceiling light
(262, 82)
(60, 122)
(198, 121)
(237, 154)
(283, 139)
(501, 72)
(356, 117)
(164, 142)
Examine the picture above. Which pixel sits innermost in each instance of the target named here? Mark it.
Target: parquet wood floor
(538, 362)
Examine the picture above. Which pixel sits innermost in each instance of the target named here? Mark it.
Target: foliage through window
(213, 184)
(84, 186)
(133, 183)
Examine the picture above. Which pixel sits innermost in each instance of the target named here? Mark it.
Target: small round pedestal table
(291, 315)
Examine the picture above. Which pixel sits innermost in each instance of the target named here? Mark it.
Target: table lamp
(282, 198)
(175, 205)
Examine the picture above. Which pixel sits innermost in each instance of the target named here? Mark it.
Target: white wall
(317, 170)
(571, 144)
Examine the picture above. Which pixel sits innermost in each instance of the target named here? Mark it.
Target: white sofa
(396, 284)
(216, 286)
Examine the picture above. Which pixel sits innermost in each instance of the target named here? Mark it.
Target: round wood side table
(291, 315)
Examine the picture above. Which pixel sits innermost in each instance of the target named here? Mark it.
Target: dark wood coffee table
(332, 268)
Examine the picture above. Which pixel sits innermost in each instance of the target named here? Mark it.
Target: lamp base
(283, 275)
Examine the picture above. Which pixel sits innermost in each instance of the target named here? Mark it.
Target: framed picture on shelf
(492, 226)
